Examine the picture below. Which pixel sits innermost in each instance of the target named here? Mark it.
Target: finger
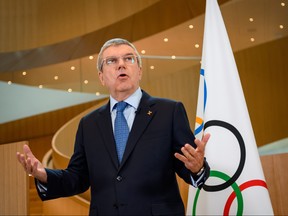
(205, 138)
(27, 151)
(191, 165)
(201, 144)
(181, 157)
(18, 155)
(34, 168)
(188, 151)
(29, 166)
(21, 159)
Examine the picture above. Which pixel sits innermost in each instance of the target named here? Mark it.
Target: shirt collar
(133, 100)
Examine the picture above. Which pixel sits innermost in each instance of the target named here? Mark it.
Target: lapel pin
(149, 112)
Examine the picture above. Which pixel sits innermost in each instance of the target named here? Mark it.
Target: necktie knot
(120, 106)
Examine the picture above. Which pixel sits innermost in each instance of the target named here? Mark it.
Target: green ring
(235, 187)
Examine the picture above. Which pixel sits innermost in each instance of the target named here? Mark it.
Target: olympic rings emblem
(229, 181)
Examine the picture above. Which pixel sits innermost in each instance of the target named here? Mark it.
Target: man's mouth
(122, 75)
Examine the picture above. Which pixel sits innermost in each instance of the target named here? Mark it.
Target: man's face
(122, 76)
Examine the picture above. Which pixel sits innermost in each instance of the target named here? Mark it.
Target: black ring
(242, 155)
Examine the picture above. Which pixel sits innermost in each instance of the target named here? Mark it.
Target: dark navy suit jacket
(145, 181)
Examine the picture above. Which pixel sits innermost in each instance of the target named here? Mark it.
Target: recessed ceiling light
(191, 26)
(282, 4)
(281, 26)
(69, 90)
(40, 86)
(72, 67)
(165, 39)
(9, 82)
(97, 93)
(152, 67)
(56, 77)
(252, 39)
(251, 19)
(86, 81)
(197, 45)
(91, 57)
(173, 57)
(143, 51)
(24, 73)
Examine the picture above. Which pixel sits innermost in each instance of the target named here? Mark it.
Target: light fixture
(152, 67)
(252, 39)
(56, 77)
(91, 57)
(9, 82)
(72, 68)
(282, 4)
(24, 73)
(165, 39)
(191, 26)
(97, 93)
(69, 90)
(85, 81)
(143, 51)
(251, 19)
(173, 57)
(40, 86)
(281, 26)
(197, 45)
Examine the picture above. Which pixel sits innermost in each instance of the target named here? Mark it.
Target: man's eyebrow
(119, 56)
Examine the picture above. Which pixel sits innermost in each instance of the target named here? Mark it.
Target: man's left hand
(194, 158)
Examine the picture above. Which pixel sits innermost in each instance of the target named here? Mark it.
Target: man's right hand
(32, 165)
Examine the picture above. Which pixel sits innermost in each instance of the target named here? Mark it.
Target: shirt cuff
(198, 182)
(42, 188)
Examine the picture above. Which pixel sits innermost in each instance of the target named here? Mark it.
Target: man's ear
(100, 75)
(140, 73)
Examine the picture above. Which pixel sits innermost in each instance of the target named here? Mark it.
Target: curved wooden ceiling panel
(156, 18)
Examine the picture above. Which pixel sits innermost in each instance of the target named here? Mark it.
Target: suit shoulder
(165, 101)
(94, 113)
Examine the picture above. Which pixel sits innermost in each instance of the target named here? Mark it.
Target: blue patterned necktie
(121, 130)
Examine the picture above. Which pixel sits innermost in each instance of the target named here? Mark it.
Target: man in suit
(141, 180)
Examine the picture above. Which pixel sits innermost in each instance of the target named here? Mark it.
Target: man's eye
(111, 61)
(129, 59)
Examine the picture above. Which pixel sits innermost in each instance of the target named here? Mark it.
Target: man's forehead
(118, 50)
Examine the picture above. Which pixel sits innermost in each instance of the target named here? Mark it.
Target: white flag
(236, 185)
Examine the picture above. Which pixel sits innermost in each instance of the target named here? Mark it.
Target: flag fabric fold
(236, 185)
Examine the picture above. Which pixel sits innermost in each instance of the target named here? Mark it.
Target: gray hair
(116, 42)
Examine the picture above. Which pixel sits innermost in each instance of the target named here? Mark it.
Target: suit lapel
(105, 126)
(142, 119)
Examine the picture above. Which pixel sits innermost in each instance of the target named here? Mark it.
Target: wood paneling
(264, 74)
(65, 206)
(276, 175)
(33, 23)
(13, 181)
(168, 13)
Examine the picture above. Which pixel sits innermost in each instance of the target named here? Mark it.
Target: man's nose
(121, 63)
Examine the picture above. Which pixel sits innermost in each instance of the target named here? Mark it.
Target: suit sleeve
(183, 134)
(70, 181)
